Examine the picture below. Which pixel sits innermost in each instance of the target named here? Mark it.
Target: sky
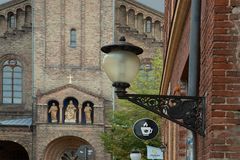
(155, 4)
(2, 1)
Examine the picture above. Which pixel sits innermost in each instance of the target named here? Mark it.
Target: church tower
(69, 84)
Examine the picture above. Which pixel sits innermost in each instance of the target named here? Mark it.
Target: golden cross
(70, 79)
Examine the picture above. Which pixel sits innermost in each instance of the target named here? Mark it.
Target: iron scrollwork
(186, 111)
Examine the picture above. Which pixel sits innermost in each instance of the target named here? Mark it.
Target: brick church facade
(54, 94)
(218, 77)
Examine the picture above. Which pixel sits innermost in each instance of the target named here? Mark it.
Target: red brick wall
(219, 80)
(206, 74)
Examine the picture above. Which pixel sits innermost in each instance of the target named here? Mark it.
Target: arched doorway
(12, 151)
(69, 148)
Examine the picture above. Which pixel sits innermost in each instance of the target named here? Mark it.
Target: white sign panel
(154, 153)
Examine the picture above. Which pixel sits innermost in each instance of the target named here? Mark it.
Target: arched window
(73, 38)
(157, 31)
(12, 82)
(148, 25)
(11, 20)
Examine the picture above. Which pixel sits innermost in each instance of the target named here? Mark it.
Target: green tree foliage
(119, 140)
(149, 77)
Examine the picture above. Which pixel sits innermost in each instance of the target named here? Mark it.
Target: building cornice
(11, 3)
(178, 23)
(144, 7)
(61, 88)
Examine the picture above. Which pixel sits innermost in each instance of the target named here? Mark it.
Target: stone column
(60, 113)
(161, 33)
(144, 25)
(79, 114)
(136, 22)
(153, 30)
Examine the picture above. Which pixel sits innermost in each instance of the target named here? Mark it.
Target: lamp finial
(122, 39)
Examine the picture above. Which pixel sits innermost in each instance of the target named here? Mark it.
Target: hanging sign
(145, 129)
(154, 153)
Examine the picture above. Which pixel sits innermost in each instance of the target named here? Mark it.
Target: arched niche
(28, 16)
(70, 110)
(3, 26)
(87, 112)
(53, 111)
(157, 30)
(140, 22)
(131, 18)
(20, 16)
(123, 15)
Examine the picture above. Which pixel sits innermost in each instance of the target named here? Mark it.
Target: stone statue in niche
(88, 112)
(53, 113)
(70, 112)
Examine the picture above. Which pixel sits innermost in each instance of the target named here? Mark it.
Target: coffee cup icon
(146, 131)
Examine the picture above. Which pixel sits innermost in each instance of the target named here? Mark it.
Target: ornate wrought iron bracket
(186, 111)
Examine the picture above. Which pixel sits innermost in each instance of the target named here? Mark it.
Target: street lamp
(163, 148)
(135, 155)
(121, 64)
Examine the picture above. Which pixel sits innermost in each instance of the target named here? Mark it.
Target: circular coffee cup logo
(145, 129)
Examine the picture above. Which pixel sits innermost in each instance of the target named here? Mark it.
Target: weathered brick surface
(56, 60)
(20, 135)
(17, 44)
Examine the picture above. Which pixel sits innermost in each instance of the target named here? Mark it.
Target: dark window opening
(73, 38)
